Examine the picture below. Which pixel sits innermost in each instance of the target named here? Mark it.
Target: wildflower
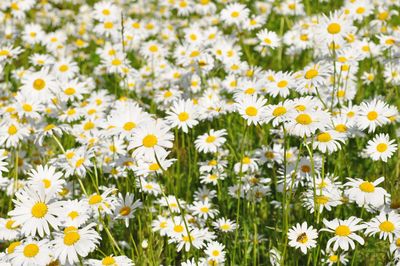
(303, 237)
(345, 232)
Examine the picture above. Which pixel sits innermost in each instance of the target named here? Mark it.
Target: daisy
(183, 114)
(381, 147)
(46, 178)
(333, 258)
(75, 213)
(74, 242)
(12, 133)
(372, 115)
(103, 202)
(28, 106)
(366, 193)
(313, 76)
(278, 113)
(126, 207)
(268, 38)
(212, 178)
(215, 252)
(210, 142)
(328, 141)
(344, 231)
(65, 68)
(149, 187)
(247, 164)
(224, 225)
(335, 27)
(251, 108)
(303, 237)
(386, 224)
(235, 14)
(306, 123)
(203, 209)
(8, 229)
(151, 139)
(38, 84)
(194, 239)
(31, 252)
(34, 211)
(324, 199)
(281, 85)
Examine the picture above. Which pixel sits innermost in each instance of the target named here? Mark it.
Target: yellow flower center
(183, 116)
(302, 238)
(153, 48)
(63, 68)
(128, 126)
(154, 167)
(333, 258)
(116, 62)
(278, 111)
(71, 235)
(31, 250)
(108, 261)
(215, 253)
(310, 74)
(88, 125)
(246, 160)
(267, 41)
(178, 228)
(210, 139)
(382, 147)
(341, 128)
(360, 10)
(39, 84)
(9, 224)
(387, 226)
(95, 199)
(49, 127)
(250, 91)
(304, 119)
(167, 94)
(12, 246)
(204, 209)
(367, 187)
(69, 91)
(334, 28)
(126, 210)
(282, 84)
(46, 183)
(321, 200)
(108, 25)
(304, 37)
(225, 227)
(324, 137)
(39, 210)
(79, 162)
(372, 115)
(73, 215)
(235, 14)
(251, 111)
(12, 130)
(150, 141)
(342, 230)
(27, 107)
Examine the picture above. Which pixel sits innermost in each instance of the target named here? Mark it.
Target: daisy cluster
(199, 132)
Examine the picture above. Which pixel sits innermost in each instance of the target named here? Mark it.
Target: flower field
(199, 132)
